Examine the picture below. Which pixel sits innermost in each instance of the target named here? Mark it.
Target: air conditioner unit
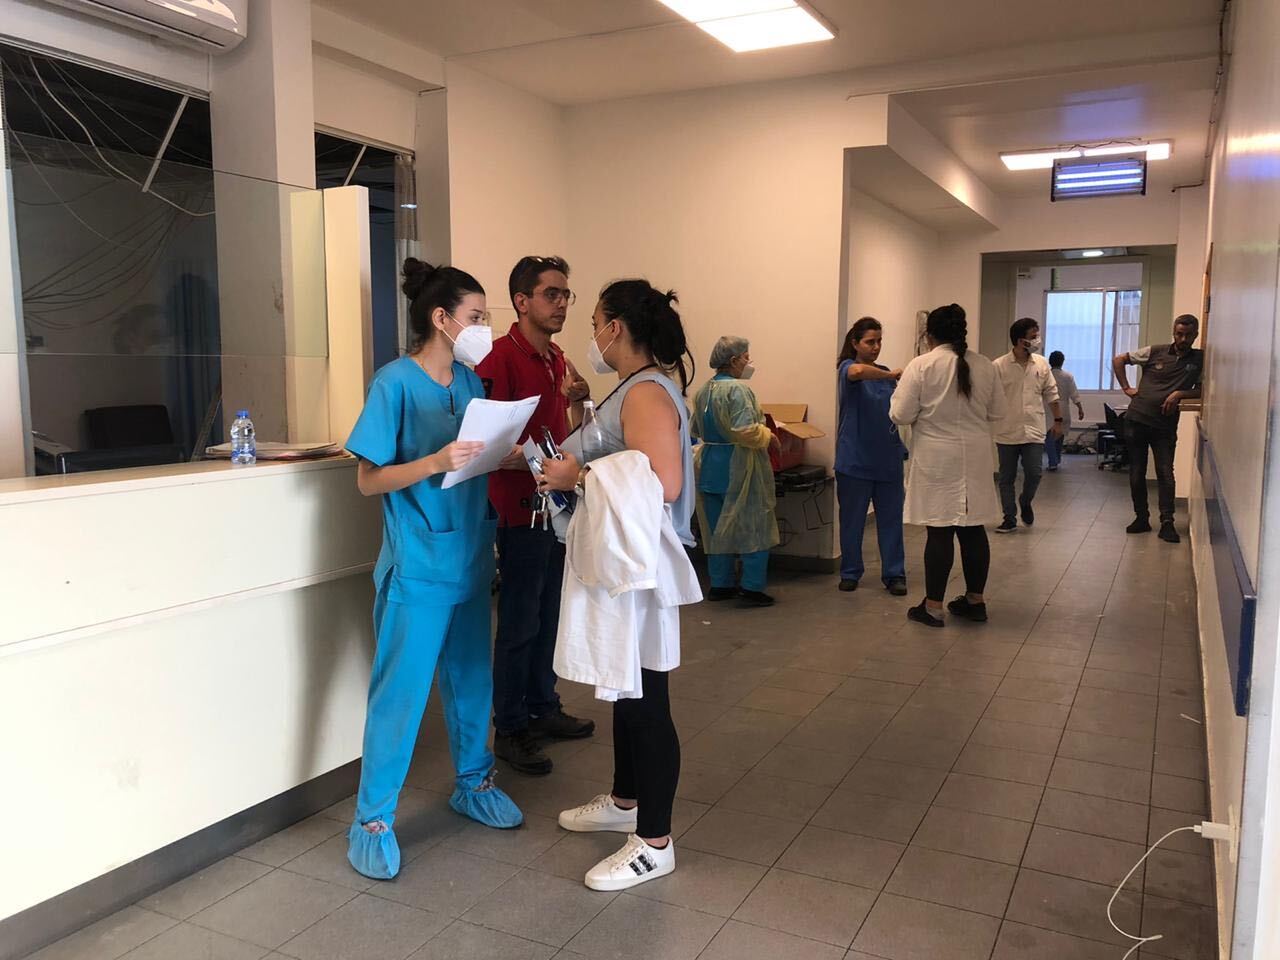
(211, 25)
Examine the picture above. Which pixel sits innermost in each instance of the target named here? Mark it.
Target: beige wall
(1240, 408)
(1033, 223)
(891, 260)
(507, 185)
(734, 198)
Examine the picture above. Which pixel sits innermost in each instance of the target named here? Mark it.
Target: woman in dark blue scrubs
(869, 455)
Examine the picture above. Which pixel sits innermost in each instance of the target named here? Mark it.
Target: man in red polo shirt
(525, 363)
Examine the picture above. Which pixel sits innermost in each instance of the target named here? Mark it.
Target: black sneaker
(522, 752)
(897, 587)
(921, 614)
(1007, 526)
(722, 593)
(1028, 515)
(961, 607)
(1168, 534)
(754, 598)
(848, 586)
(560, 726)
(1139, 525)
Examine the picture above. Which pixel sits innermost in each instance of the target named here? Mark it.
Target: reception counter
(179, 645)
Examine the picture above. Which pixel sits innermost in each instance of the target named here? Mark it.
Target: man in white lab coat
(1029, 387)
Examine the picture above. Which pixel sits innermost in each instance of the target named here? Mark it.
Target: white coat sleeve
(904, 405)
(997, 406)
(1050, 389)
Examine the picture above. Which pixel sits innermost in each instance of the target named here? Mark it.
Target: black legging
(646, 755)
(939, 556)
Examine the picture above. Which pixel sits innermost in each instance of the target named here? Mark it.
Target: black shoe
(1028, 515)
(920, 614)
(754, 598)
(961, 607)
(1008, 526)
(722, 593)
(558, 725)
(848, 586)
(897, 587)
(522, 752)
(1168, 534)
(1139, 525)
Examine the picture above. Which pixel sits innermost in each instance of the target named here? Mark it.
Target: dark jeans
(531, 564)
(940, 555)
(1010, 454)
(646, 755)
(1139, 437)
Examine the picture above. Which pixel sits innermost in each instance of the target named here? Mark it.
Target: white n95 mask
(596, 356)
(473, 344)
(748, 372)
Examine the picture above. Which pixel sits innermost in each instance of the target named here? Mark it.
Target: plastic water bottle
(244, 445)
(592, 435)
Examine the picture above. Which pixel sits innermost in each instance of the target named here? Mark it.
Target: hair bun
(417, 273)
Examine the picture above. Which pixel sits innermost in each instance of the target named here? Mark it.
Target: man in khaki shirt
(1028, 388)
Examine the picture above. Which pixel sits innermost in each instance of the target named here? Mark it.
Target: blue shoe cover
(487, 804)
(374, 855)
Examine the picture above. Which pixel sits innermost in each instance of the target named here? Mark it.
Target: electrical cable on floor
(1142, 941)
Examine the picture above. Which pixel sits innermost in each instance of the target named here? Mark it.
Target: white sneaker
(635, 863)
(601, 814)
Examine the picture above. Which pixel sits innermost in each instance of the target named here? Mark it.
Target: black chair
(1113, 452)
(131, 436)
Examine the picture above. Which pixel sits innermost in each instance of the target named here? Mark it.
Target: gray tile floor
(854, 787)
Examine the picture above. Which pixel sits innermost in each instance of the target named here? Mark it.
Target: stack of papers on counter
(268, 450)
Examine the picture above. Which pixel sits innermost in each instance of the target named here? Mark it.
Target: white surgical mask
(598, 363)
(1034, 346)
(748, 372)
(473, 343)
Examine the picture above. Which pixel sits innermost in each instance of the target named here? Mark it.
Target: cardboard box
(787, 421)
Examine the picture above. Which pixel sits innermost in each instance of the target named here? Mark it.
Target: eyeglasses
(553, 295)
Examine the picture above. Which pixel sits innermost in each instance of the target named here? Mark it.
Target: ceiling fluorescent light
(744, 25)
(700, 10)
(761, 31)
(1043, 159)
(1093, 253)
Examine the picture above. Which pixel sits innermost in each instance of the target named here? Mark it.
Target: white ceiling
(1167, 101)
(575, 51)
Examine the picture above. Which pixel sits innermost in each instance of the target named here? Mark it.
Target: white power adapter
(1215, 831)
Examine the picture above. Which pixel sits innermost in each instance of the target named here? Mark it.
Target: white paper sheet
(496, 423)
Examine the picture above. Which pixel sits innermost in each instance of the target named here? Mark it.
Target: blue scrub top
(437, 544)
(867, 442)
(713, 471)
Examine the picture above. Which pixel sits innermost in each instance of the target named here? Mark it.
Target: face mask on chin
(596, 356)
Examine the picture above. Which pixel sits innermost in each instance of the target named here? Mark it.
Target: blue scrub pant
(855, 495)
(722, 566)
(415, 641)
(1053, 448)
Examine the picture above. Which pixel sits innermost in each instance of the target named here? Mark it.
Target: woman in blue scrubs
(869, 455)
(436, 565)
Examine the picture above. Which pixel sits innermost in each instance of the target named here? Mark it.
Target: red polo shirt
(514, 370)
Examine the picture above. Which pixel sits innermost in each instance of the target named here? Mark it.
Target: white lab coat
(951, 469)
(1068, 396)
(626, 575)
